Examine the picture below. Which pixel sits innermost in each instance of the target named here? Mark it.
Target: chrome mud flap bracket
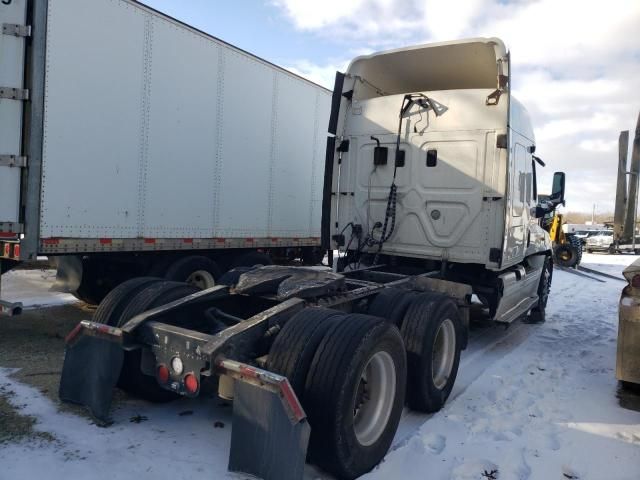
(270, 431)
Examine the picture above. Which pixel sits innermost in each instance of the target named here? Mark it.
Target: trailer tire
(433, 334)
(538, 313)
(295, 346)
(132, 379)
(392, 304)
(350, 435)
(249, 259)
(195, 270)
(112, 306)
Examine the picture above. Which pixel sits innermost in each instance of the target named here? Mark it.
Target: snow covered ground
(32, 288)
(531, 401)
(611, 264)
(546, 410)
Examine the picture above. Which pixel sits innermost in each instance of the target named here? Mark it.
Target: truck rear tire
(293, 349)
(132, 379)
(196, 270)
(432, 332)
(354, 394)
(392, 304)
(112, 306)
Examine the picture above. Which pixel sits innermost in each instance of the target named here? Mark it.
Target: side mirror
(557, 191)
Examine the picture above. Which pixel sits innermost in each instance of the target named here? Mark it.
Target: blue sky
(259, 27)
(575, 63)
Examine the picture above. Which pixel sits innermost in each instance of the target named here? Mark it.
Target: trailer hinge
(13, 161)
(14, 93)
(16, 30)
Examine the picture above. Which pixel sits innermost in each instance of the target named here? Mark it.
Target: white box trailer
(124, 131)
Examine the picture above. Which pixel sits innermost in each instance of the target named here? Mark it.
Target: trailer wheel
(294, 347)
(114, 303)
(354, 394)
(392, 304)
(250, 259)
(131, 379)
(432, 332)
(538, 313)
(196, 270)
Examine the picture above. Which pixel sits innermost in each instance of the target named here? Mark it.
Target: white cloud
(564, 127)
(446, 20)
(599, 145)
(308, 15)
(575, 65)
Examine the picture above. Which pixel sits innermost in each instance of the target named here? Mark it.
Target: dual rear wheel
(125, 302)
(354, 372)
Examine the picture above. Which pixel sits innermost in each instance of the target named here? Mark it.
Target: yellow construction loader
(567, 248)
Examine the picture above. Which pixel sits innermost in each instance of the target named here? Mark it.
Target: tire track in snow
(485, 347)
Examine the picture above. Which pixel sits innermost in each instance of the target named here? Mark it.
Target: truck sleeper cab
(433, 168)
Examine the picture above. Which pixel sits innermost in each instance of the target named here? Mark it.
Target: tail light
(163, 374)
(190, 383)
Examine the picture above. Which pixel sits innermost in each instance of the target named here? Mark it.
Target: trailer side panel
(155, 130)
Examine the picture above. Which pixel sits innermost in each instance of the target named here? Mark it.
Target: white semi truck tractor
(430, 197)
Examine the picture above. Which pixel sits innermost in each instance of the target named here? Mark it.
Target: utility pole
(632, 197)
(635, 167)
(621, 188)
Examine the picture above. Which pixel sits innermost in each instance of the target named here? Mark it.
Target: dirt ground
(33, 343)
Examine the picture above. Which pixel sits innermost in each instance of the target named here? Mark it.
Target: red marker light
(191, 383)
(163, 374)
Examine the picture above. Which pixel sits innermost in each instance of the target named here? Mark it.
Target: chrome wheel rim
(201, 279)
(374, 398)
(444, 347)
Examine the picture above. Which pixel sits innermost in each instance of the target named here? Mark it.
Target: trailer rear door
(12, 96)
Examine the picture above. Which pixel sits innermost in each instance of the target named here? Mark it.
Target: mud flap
(270, 432)
(90, 371)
